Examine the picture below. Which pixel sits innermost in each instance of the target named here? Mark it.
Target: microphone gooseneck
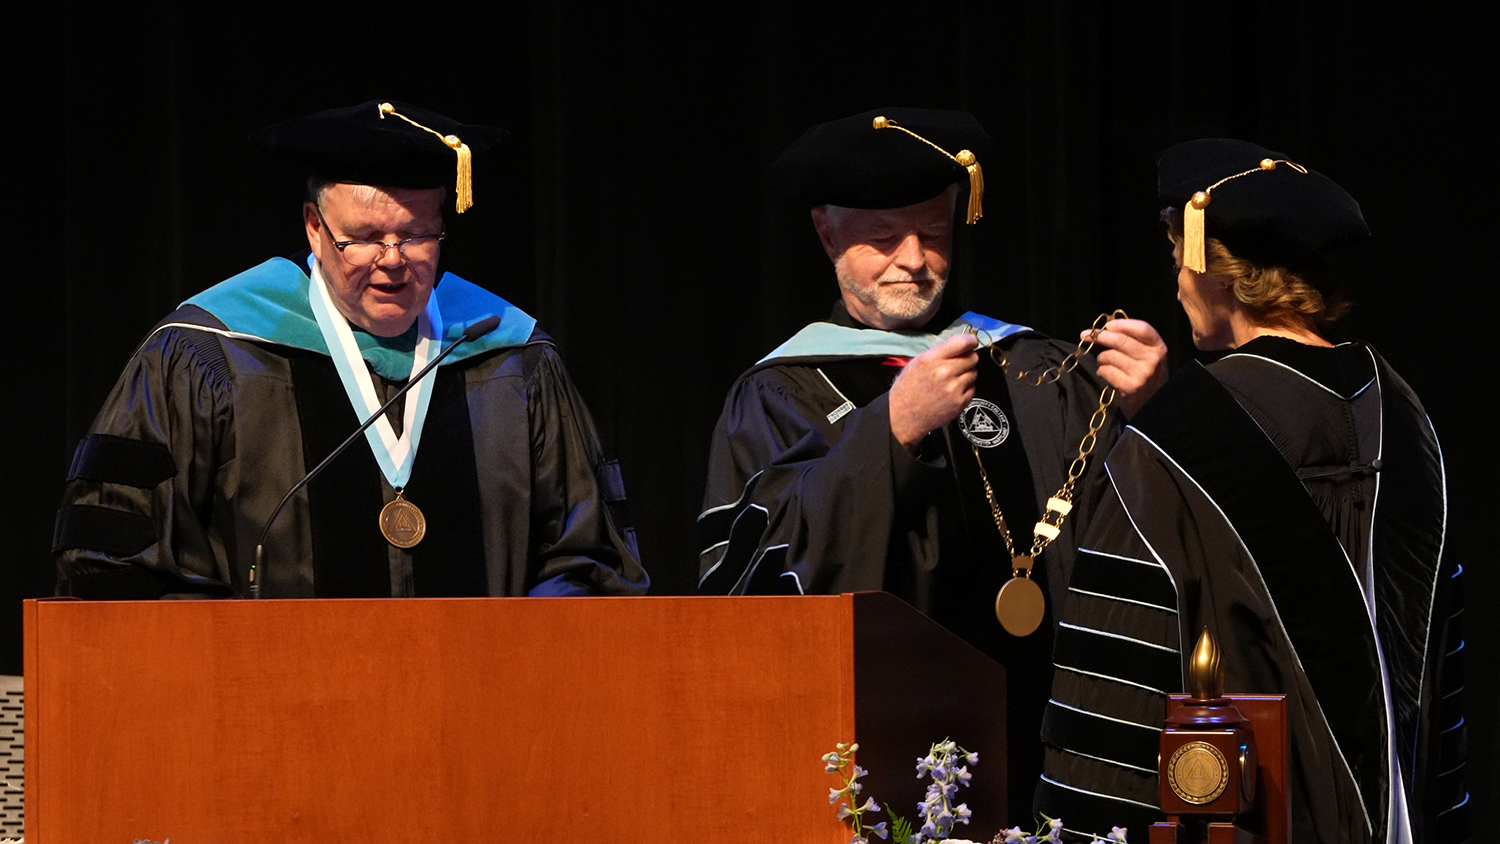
(473, 331)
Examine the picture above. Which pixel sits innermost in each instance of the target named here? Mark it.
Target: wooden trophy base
(1268, 822)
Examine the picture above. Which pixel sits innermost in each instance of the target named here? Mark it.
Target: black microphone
(473, 332)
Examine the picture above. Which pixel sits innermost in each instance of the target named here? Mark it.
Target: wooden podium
(515, 719)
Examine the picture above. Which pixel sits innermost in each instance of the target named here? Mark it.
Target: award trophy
(1215, 787)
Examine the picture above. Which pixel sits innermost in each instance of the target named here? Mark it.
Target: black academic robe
(808, 492)
(1290, 500)
(204, 433)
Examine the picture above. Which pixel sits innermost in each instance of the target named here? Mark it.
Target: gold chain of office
(1020, 604)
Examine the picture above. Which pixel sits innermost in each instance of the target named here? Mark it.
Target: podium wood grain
(588, 720)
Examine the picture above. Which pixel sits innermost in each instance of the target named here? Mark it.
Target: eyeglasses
(365, 253)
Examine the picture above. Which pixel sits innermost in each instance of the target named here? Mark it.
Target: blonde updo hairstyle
(1277, 288)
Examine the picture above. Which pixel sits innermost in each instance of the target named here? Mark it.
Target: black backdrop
(629, 211)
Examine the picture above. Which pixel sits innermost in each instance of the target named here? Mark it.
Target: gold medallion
(1020, 606)
(402, 523)
(1198, 773)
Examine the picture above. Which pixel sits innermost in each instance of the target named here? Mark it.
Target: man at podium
(890, 447)
(232, 401)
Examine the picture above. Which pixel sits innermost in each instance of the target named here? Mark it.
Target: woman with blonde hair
(1288, 497)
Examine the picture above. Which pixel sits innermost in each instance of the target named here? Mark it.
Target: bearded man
(881, 449)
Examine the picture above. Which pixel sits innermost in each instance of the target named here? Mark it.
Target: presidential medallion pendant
(402, 523)
(1020, 605)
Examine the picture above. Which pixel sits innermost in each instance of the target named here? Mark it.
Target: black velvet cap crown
(850, 163)
(359, 145)
(1299, 211)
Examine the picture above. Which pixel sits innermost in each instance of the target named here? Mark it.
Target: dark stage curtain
(629, 210)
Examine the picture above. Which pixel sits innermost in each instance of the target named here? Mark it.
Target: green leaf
(900, 829)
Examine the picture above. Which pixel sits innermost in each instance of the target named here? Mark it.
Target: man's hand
(933, 388)
(1133, 361)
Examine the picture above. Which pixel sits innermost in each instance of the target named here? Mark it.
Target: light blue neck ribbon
(396, 455)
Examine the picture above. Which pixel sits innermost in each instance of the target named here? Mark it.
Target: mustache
(925, 276)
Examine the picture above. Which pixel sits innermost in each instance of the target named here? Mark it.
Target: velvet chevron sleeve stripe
(105, 529)
(1102, 737)
(1117, 657)
(1449, 798)
(1123, 579)
(1089, 811)
(110, 459)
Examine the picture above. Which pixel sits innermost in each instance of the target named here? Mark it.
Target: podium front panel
(557, 719)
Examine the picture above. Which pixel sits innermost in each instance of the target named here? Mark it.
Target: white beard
(896, 303)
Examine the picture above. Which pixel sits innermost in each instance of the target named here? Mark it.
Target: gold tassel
(464, 187)
(464, 183)
(964, 159)
(1194, 245)
(1194, 250)
(976, 185)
